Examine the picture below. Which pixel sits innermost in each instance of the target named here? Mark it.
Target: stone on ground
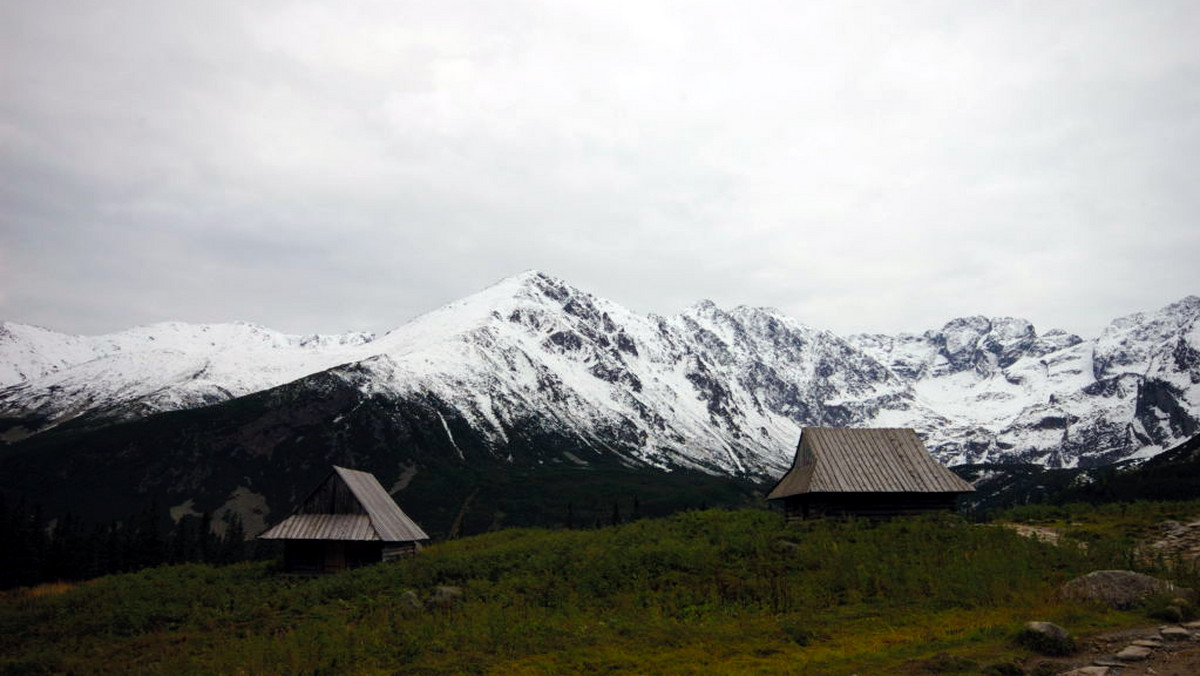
(1116, 588)
(1175, 633)
(1134, 653)
(444, 598)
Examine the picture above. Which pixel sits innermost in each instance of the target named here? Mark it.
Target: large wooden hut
(348, 521)
(872, 473)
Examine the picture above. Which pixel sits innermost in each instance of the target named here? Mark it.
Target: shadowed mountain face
(534, 378)
(259, 455)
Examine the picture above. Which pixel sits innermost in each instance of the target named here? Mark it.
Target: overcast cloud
(323, 167)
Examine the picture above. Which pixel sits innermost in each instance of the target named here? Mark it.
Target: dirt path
(1043, 533)
(1175, 540)
(1170, 652)
(1170, 657)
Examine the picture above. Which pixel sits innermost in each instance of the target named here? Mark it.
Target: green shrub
(1169, 608)
(799, 631)
(944, 663)
(1003, 669)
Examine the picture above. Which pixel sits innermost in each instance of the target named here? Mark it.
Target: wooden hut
(874, 473)
(348, 521)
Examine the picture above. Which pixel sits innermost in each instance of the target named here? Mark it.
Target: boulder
(409, 602)
(1049, 630)
(444, 598)
(1118, 588)
(1046, 638)
(786, 547)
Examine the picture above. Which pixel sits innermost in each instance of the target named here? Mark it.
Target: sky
(336, 166)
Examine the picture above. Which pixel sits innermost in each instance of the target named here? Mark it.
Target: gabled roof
(367, 513)
(844, 460)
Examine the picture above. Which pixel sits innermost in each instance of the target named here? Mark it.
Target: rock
(1116, 588)
(409, 601)
(1175, 634)
(1046, 638)
(1088, 671)
(1134, 653)
(444, 598)
(1192, 625)
(1048, 629)
(786, 547)
(1149, 643)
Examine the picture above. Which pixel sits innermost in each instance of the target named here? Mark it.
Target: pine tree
(233, 542)
(29, 545)
(204, 538)
(147, 545)
(181, 541)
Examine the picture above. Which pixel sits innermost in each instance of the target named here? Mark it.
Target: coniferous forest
(70, 548)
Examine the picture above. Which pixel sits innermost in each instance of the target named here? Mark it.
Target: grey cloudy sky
(862, 166)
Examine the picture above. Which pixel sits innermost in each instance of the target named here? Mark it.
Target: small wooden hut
(348, 521)
(874, 473)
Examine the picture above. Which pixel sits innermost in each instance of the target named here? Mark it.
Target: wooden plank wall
(332, 497)
(868, 505)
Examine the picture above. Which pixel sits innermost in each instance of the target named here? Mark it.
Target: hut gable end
(333, 496)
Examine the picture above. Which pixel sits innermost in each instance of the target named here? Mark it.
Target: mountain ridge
(724, 391)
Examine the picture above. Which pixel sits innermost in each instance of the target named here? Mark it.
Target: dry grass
(50, 589)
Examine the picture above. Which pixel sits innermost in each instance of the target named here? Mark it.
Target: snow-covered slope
(51, 377)
(726, 391)
(723, 391)
(1053, 399)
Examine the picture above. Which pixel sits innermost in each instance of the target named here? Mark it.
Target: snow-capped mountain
(51, 377)
(1053, 399)
(723, 391)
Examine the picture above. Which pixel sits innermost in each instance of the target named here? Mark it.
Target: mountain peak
(733, 383)
(1189, 305)
(527, 284)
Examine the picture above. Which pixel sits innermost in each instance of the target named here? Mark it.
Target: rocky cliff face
(724, 391)
(1054, 399)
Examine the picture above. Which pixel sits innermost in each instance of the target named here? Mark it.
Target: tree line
(34, 549)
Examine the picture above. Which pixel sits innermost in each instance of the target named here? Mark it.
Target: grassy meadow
(699, 592)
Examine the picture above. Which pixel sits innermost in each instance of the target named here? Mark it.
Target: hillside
(700, 592)
(258, 455)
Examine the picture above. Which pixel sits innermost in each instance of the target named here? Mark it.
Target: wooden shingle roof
(844, 460)
(348, 505)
